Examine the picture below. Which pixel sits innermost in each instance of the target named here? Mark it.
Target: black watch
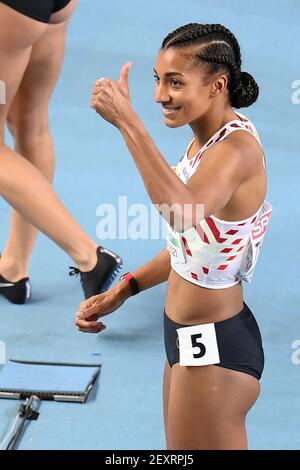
(132, 281)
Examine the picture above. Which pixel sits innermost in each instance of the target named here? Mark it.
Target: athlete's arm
(222, 170)
(149, 275)
(213, 186)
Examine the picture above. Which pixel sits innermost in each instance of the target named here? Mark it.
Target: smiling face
(183, 89)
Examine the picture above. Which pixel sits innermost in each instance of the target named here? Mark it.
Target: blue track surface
(94, 167)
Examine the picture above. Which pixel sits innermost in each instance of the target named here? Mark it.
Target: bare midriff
(189, 304)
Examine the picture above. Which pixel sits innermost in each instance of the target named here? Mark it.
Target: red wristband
(132, 281)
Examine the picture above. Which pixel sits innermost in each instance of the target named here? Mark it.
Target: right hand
(96, 307)
(111, 99)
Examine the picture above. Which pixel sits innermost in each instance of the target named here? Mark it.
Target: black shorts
(39, 10)
(236, 341)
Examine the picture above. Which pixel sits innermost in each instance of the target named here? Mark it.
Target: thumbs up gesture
(111, 99)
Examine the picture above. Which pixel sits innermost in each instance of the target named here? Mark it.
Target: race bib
(198, 345)
(175, 246)
(252, 251)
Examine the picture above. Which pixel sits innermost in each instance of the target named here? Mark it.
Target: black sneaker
(16, 292)
(100, 278)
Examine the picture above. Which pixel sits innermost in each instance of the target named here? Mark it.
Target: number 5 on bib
(198, 345)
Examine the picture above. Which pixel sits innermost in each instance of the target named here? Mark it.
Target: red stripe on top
(222, 267)
(186, 246)
(237, 241)
(231, 232)
(230, 258)
(227, 250)
(213, 228)
(197, 159)
(221, 135)
(202, 234)
(236, 125)
(205, 270)
(195, 276)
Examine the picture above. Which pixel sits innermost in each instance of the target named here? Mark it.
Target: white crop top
(217, 253)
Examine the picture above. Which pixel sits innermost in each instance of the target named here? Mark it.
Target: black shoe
(100, 278)
(16, 292)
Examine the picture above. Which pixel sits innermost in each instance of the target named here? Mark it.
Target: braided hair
(219, 52)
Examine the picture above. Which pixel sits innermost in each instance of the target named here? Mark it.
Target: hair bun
(245, 91)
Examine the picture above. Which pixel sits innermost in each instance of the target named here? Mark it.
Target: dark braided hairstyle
(219, 52)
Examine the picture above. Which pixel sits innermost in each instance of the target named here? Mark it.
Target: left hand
(98, 306)
(111, 99)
